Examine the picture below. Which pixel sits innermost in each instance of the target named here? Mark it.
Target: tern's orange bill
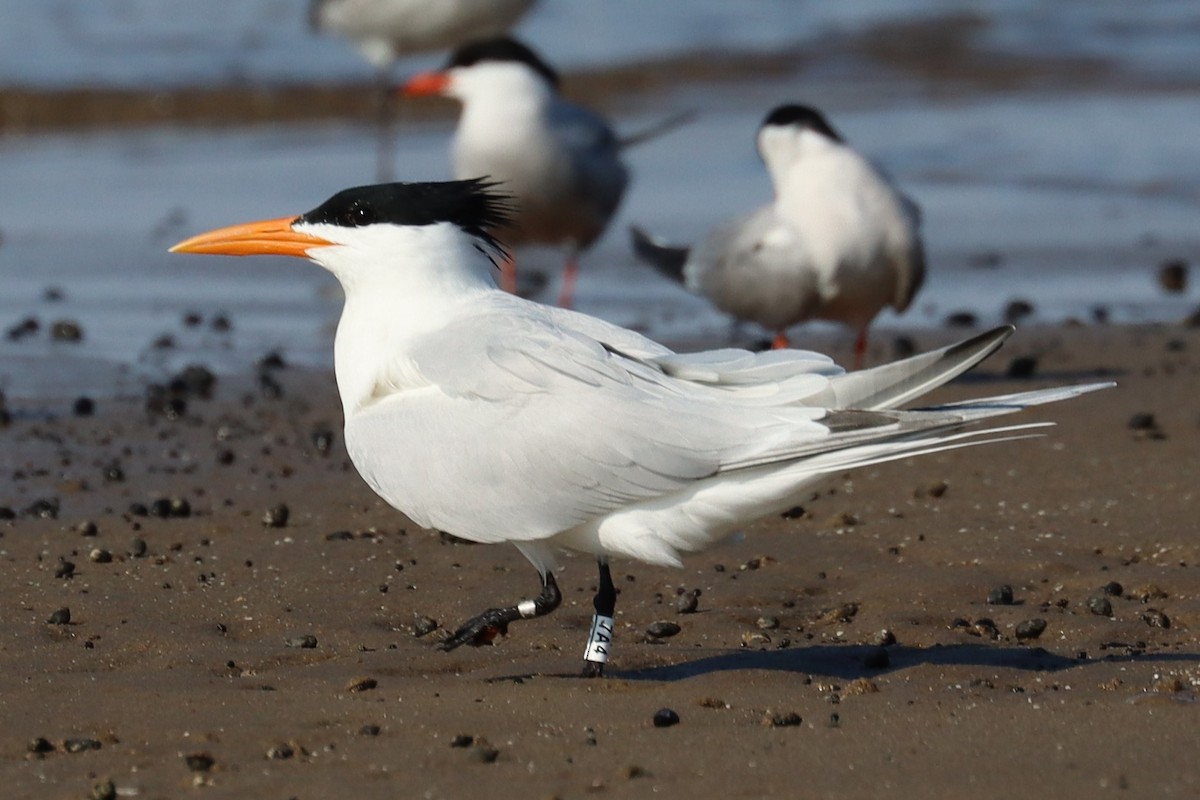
(266, 237)
(425, 84)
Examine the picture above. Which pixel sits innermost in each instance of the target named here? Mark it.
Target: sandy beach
(219, 646)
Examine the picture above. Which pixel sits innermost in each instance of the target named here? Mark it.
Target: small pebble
(281, 752)
(45, 508)
(40, 746)
(484, 752)
(985, 627)
(1113, 589)
(1017, 310)
(138, 548)
(362, 685)
(755, 639)
(369, 730)
(776, 720)
(1100, 606)
(877, 658)
(1023, 367)
(961, 319)
(276, 516)
(179, 508)
(104, 790)
(665, 718)
(1031, 629)
(83, 407)
(65, 330)
(100, 556)
(662, 630)
(884, 638)
(423, 625)
(767, 623)
(688, 602)
(26, 327)
(65, 569)
(306, 642)
(80, 744)
(322, 438)
(462, 740)
(1000, 596)
(199, 762)
(87, 528)
(1173, 276)
(1156, 619)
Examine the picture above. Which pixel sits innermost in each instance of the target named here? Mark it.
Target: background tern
(838, 242)
(560, 162)
(386, 30)
(498, 419)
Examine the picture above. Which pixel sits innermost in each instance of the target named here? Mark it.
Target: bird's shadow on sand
(856, 661)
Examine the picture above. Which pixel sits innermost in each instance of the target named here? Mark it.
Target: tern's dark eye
(358, 215)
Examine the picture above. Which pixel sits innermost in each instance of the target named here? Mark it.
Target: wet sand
(182, 667)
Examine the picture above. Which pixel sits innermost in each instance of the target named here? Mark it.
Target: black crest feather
(502, 49)
(473, 205)
(800, 116)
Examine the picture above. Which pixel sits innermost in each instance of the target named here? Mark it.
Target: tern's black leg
(601, 636)
(485, 627)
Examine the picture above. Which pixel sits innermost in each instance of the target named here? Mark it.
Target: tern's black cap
(502, 49)
(795, 115)
(473, 205)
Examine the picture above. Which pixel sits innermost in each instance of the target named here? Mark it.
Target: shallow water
(1068, 197)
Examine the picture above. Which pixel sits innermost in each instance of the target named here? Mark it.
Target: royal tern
(497, 419)
(838, 242)
(560, 162)
(387, 30)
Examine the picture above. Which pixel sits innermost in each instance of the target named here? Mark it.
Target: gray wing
(535, 429)
(598, 175)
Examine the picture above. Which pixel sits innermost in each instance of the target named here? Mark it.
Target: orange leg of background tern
(570, 276)
(780, 342)
(860, 349)
(508, 275)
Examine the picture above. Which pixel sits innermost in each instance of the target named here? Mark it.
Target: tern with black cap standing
(560, 162)
(497, 419)
(838, 242)
(387, 30)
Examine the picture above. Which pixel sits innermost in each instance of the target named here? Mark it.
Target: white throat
(400, 282)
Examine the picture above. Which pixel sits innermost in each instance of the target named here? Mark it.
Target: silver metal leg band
(600, 639)
(527, 609)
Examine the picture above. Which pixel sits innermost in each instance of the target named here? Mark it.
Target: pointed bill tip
(265, 237)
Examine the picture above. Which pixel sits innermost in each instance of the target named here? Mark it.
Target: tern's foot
(478, 631)
(592, 669)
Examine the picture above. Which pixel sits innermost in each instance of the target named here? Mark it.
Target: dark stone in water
(66, 330)
(1173, 276)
